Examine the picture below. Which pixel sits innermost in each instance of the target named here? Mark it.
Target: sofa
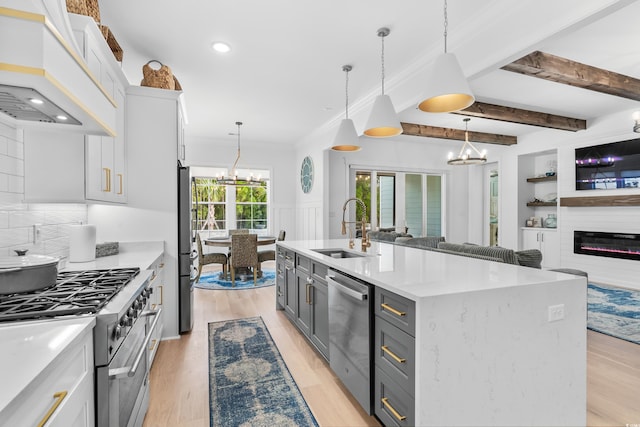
(528, 258)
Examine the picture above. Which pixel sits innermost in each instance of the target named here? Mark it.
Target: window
(402, 200)
(219, 207)
(209, 204)
(251, 207)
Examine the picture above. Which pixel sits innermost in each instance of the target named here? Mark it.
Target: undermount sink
(339, 253)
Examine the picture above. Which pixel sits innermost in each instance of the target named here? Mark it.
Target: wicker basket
(77, 6)
(161, 78)
(112, 42)
(93, 9)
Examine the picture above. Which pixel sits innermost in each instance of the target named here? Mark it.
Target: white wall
(616, 127)
(280, 161)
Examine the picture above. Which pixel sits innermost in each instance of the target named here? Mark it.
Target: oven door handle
(127, 371)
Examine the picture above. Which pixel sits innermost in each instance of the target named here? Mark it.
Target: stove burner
(75, 292)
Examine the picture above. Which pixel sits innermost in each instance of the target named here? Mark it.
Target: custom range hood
(44, 79)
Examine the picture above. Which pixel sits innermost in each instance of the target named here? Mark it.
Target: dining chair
(210, 258)
(270, 254)
(244, 253)
(238, 231)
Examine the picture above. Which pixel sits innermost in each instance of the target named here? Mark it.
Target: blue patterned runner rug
(249, 383)
(614, 311)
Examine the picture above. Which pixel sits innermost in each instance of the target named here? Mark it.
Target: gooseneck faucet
(365, 241)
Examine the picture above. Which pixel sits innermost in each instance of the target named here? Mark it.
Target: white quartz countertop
(417, 273)
(29, 347)
(131, 254)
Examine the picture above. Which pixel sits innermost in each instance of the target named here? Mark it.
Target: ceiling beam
(413, 129)
(525, 117)
(563, 70)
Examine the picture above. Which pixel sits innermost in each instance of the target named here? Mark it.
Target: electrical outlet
(36, 233)
(556, 312)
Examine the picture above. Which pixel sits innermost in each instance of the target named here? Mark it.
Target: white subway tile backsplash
(4, 145)
(15, 149)
(4, 219)
(4, 183)
(25, 218)
(16, 184)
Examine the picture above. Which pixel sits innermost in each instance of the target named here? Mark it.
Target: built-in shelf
(536, 204)
(543, 178)
(619, 200)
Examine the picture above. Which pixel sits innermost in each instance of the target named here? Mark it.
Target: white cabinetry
(61, 395)
(106, 166)
(547, 240)
(156, 302)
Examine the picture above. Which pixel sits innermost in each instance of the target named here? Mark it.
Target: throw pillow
(529, 258)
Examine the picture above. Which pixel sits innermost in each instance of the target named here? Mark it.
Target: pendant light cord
(233, 169)
(382, 61)
(446, 24)
(346, 69)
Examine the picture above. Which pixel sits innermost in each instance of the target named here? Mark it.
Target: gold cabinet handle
(385, 402)
(120, 179)
(392, 354)
(59, 397)
(107, 177)
(153, 344)
(161, 265)
(161, 294)
(306, 295)
(393, 310)
(153, 306)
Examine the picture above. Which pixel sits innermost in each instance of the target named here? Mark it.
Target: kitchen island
(495, 344)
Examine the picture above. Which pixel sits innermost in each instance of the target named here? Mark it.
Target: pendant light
(233, 178)
(466, 154)
(383, 121)
(347, 137)
(447, 88)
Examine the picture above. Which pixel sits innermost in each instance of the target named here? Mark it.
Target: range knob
(127, 320)
(117, 332)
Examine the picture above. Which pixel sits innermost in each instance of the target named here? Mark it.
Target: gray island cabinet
(456, 340)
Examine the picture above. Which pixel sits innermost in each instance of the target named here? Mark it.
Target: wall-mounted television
(608, 166)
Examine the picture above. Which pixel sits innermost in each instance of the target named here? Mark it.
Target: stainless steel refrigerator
(186, 256)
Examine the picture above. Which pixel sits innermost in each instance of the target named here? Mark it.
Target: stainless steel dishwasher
(350, 302)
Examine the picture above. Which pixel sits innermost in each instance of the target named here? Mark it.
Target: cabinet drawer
(394, 353)
(319, 271)
(391, 403)
(303, 263)
(397, 310)
(57, 386)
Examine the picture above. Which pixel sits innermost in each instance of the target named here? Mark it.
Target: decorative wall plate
(306, 174)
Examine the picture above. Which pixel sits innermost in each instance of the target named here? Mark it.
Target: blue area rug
(213, 281)
(249, 383)
(614, 311)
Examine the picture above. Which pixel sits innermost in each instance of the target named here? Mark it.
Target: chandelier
(233, 179)
(469, 154)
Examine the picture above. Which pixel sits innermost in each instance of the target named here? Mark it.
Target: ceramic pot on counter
(27, 273)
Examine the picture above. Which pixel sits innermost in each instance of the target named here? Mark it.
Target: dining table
(225, 241)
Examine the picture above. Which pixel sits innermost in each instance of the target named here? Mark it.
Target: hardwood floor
(180, 380)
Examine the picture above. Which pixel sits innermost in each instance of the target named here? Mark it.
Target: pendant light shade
(447, 88)
(383, 121)
(347, 138)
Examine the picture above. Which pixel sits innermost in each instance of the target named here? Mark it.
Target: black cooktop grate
(75, 292)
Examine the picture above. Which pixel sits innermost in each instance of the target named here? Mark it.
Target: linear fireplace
(615, 245)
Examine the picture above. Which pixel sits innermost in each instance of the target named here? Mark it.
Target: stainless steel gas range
(118, 298)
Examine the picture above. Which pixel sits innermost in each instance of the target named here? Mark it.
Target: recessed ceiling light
(36, 101)
(220, 47)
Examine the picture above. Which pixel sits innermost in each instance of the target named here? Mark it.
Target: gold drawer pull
(59, 396)
(161, 294)
(392, 354)
(393, 310)
(107, 179)
(120, 178)
(153, 344)
(392, 409)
